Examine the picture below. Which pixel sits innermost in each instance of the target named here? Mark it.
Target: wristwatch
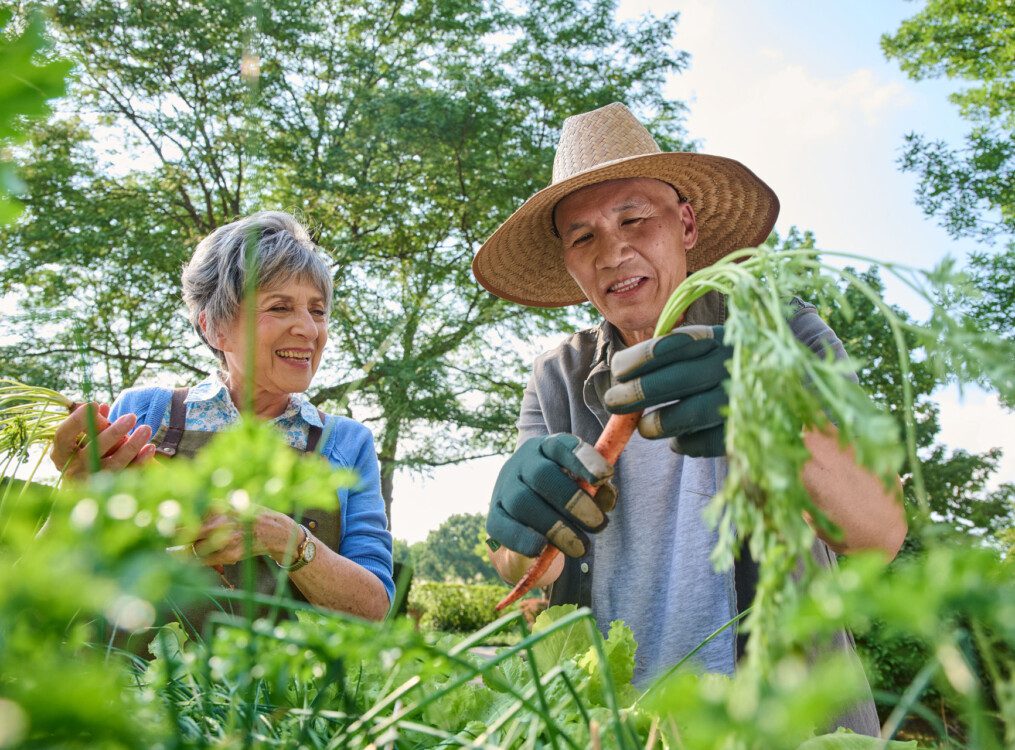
(305, 552)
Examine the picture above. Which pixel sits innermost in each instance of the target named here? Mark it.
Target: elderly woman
(342, 560)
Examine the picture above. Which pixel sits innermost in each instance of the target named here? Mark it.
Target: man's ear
(690, 224)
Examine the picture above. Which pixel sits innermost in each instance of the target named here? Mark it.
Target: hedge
(456, 607)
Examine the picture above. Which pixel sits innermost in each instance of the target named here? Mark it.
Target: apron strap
(314, 436)
(177, 423)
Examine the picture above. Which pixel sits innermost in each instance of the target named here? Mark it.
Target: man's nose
(614, 250)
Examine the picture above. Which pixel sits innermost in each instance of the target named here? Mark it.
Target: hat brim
(523, 260)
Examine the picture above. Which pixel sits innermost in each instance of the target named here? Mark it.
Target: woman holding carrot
(337, 559)
(621, 225)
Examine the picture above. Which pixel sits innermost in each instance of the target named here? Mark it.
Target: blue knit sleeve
(149, 404)
(365, 536)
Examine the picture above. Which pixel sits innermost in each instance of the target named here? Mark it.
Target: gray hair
(213, 280)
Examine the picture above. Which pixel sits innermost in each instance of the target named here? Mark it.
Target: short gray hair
(213, 279)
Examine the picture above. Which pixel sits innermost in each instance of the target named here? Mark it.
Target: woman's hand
(222, 538)
(71, 446)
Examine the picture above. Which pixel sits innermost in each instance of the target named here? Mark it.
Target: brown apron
(326, 526)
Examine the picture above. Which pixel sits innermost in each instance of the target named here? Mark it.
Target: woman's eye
(319, 313)
(632, 220)
(581, 240)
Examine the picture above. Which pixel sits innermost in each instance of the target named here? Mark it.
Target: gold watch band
(299, 559)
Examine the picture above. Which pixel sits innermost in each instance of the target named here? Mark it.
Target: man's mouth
(626, 285)
(302, 355)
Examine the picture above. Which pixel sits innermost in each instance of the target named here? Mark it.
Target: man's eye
(319, 313)
(279, 308)
(581, 240)
(632, 220)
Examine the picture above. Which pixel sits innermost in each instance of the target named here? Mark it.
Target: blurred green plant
(27, 82)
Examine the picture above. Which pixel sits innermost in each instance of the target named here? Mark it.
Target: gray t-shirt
(653, 565)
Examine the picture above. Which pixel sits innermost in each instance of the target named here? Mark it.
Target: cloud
(795, 104)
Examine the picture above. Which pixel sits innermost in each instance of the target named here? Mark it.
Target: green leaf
(844, 739)
(567, 643)
(620, 649)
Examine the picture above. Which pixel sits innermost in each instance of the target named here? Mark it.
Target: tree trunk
(386, 457)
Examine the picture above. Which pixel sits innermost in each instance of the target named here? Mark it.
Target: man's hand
(537, 497)
(688, 366)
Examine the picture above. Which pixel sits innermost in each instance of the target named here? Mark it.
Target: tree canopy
(969, 188)
(453, 552)
(404, 133)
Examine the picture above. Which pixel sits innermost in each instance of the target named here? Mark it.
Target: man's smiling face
(625, 244)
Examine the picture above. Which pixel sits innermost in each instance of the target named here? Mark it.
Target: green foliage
(450, 552)
(843, 739)
(993, 274)
(970, 189)
(403, 133)
(455, 607)
(27, 83)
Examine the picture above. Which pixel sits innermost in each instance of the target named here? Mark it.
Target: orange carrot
(618, 431)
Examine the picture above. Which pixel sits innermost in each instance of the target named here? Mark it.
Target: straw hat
(523, 262)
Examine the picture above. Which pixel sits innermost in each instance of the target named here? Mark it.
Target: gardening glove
(686, 366)
(537, 497)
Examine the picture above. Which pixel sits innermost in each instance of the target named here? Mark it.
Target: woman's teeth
(290, 354)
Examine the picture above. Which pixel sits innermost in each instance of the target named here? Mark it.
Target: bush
(456, 607)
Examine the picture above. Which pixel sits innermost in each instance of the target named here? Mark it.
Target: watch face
(309, 550)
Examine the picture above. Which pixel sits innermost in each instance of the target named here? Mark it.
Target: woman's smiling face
(291, 330)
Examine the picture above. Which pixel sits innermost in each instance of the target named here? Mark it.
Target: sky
(801, 93)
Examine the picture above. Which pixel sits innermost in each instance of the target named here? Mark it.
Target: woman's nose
(304, 324)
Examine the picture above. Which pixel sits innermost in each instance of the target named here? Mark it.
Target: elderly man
(621, 225)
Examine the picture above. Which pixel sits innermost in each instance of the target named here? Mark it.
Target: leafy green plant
(778, 389)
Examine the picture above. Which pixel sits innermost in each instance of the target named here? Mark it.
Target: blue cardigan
(365, 536)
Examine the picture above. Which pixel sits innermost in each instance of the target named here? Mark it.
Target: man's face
(625, 244)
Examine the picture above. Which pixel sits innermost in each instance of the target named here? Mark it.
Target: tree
(405, 132)
(450, 552)
(970, 189)
(993, 275)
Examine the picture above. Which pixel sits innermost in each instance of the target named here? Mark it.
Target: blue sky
(801, 93)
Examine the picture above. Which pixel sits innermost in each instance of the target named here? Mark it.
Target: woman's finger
(65, 439)
(227, 555)
(126, 453)
(144, 455)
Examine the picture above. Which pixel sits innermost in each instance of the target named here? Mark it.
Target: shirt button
(312, 525)
(585, 567)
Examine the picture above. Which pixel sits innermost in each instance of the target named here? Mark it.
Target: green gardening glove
(686, 366)
(537, 498)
